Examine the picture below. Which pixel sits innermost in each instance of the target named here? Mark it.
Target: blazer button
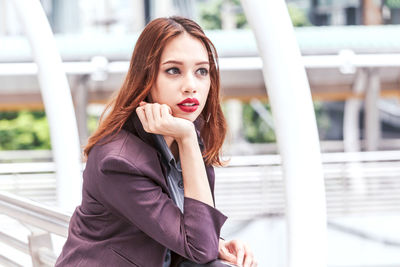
(180, 184)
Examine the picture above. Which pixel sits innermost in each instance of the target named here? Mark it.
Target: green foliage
(24, 130)
(298, 16)
(256, 130)
(93, 123)
(323, 120)
(241, 21)
(29, 130)
(392, 3)
(210, 18)
(210, 14)
(8, 115)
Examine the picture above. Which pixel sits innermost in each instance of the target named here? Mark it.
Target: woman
(148, 183)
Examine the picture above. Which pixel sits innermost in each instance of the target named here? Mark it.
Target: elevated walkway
(249, 190)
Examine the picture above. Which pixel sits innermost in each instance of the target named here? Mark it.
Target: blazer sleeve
(135, 195)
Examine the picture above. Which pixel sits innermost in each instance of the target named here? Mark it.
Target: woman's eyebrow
(202, 63)
(181, 63)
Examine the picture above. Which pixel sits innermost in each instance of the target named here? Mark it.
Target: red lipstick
(189, 105)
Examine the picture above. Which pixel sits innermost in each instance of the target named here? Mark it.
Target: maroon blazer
(127, 217)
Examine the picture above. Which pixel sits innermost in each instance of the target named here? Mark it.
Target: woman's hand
(236, 252)
(157, 119)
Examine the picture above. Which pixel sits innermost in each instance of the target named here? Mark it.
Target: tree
(210, 14)
(24, 130)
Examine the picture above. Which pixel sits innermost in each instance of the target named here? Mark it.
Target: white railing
(249, 187)
(355, 183)
(42, 220)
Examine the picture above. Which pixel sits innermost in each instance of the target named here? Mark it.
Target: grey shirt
(174, 180)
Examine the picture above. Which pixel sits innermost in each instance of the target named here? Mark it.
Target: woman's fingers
(226, 255)
(149, 116)
(154, 117)
(249, 258)
(158, 119)
(239, 253)
(165, 111)
(156, 109)
(243, 256)
(142, 117)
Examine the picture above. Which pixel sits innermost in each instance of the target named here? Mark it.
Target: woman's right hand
(158, 119)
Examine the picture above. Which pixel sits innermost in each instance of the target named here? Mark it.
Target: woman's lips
(189, 105)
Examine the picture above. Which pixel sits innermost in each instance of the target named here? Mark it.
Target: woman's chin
(189, 117)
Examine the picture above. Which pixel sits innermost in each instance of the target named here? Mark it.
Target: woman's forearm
(193, 170)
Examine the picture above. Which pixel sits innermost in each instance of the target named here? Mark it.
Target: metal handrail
(15, 243)
(47, 256)
(246, 160)
(35, 214)
(8, 262)
(337, 157)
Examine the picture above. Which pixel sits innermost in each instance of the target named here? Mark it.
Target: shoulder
(125, 149)
(123, 161)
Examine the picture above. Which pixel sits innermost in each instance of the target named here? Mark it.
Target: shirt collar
(165, 151)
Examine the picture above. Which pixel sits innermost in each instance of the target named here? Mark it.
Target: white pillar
(371, 111)
(296, 131)
(57, 101)
(351, 133)
(234, 119)
(8, 19)
(81, 96)
(352, 106)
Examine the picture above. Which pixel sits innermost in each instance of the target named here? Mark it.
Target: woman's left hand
(236, 252)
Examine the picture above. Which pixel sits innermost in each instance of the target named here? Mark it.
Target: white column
(8, 19)
(371, 111)
(81, 95)
(351, 133)
(352, 106)
(296, 131)
(234, 120)
(57, 101)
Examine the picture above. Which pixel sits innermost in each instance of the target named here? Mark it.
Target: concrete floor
(267, 237)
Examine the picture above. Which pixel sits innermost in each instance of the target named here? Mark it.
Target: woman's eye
(172, 71)
(202, 71)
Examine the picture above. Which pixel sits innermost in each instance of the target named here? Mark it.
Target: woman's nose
(189, 84)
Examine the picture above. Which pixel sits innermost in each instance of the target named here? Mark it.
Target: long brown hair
(142, 75)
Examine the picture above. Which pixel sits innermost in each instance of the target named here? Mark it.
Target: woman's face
(183, 79)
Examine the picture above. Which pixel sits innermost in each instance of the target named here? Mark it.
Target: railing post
(37, 242)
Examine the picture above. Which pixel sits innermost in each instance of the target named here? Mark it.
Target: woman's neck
(173, 146)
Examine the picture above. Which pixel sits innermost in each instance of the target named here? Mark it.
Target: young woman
(148, 184)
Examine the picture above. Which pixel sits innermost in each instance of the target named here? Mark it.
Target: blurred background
(348, 47)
